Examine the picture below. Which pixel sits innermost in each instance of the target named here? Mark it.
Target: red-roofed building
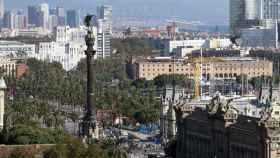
(153, 33)
(21, 70)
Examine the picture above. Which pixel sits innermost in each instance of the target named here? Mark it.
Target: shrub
(58, 151)
(4, 152)
(23, 134)
(24, 153)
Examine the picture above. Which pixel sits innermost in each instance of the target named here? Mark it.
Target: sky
(206, 11)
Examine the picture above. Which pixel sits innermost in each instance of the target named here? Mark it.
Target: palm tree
(119, 152)
(114, 150)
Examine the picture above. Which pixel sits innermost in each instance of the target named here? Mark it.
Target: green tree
(177, 79)
(95, 151)
(28, 134)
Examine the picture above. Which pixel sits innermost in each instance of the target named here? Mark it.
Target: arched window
(225, 75)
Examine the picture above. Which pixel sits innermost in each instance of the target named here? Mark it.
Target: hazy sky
(208, 11)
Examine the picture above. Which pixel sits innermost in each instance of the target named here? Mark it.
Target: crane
(198, 61)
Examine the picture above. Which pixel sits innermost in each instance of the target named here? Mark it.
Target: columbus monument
(88, 124)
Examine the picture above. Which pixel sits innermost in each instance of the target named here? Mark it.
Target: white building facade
(13, 47)
(67, 49)
(2, 102)
(186, 46)
(103, 40)
(74, 53)
(68, 54)
(9, 66)
(69, 45)
(65, 34)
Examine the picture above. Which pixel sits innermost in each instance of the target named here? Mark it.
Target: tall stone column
(89, 122)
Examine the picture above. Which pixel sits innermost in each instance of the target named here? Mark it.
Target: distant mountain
(209, 11)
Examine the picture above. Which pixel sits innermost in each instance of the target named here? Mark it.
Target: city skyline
(142, 9)
(140, 78)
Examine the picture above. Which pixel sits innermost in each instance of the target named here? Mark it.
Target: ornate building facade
(227, 68)
(218, 131)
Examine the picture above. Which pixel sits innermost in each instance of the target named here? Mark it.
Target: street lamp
(89, 123)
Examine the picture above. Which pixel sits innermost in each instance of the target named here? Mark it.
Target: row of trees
(38, 104)
(75, 148)
(32, 134)
(71, 148)
(47, 95)
(48, 85)
(258, 82)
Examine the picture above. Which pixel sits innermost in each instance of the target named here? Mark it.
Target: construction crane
(198, 61)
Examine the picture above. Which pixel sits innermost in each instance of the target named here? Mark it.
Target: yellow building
(226, 69)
